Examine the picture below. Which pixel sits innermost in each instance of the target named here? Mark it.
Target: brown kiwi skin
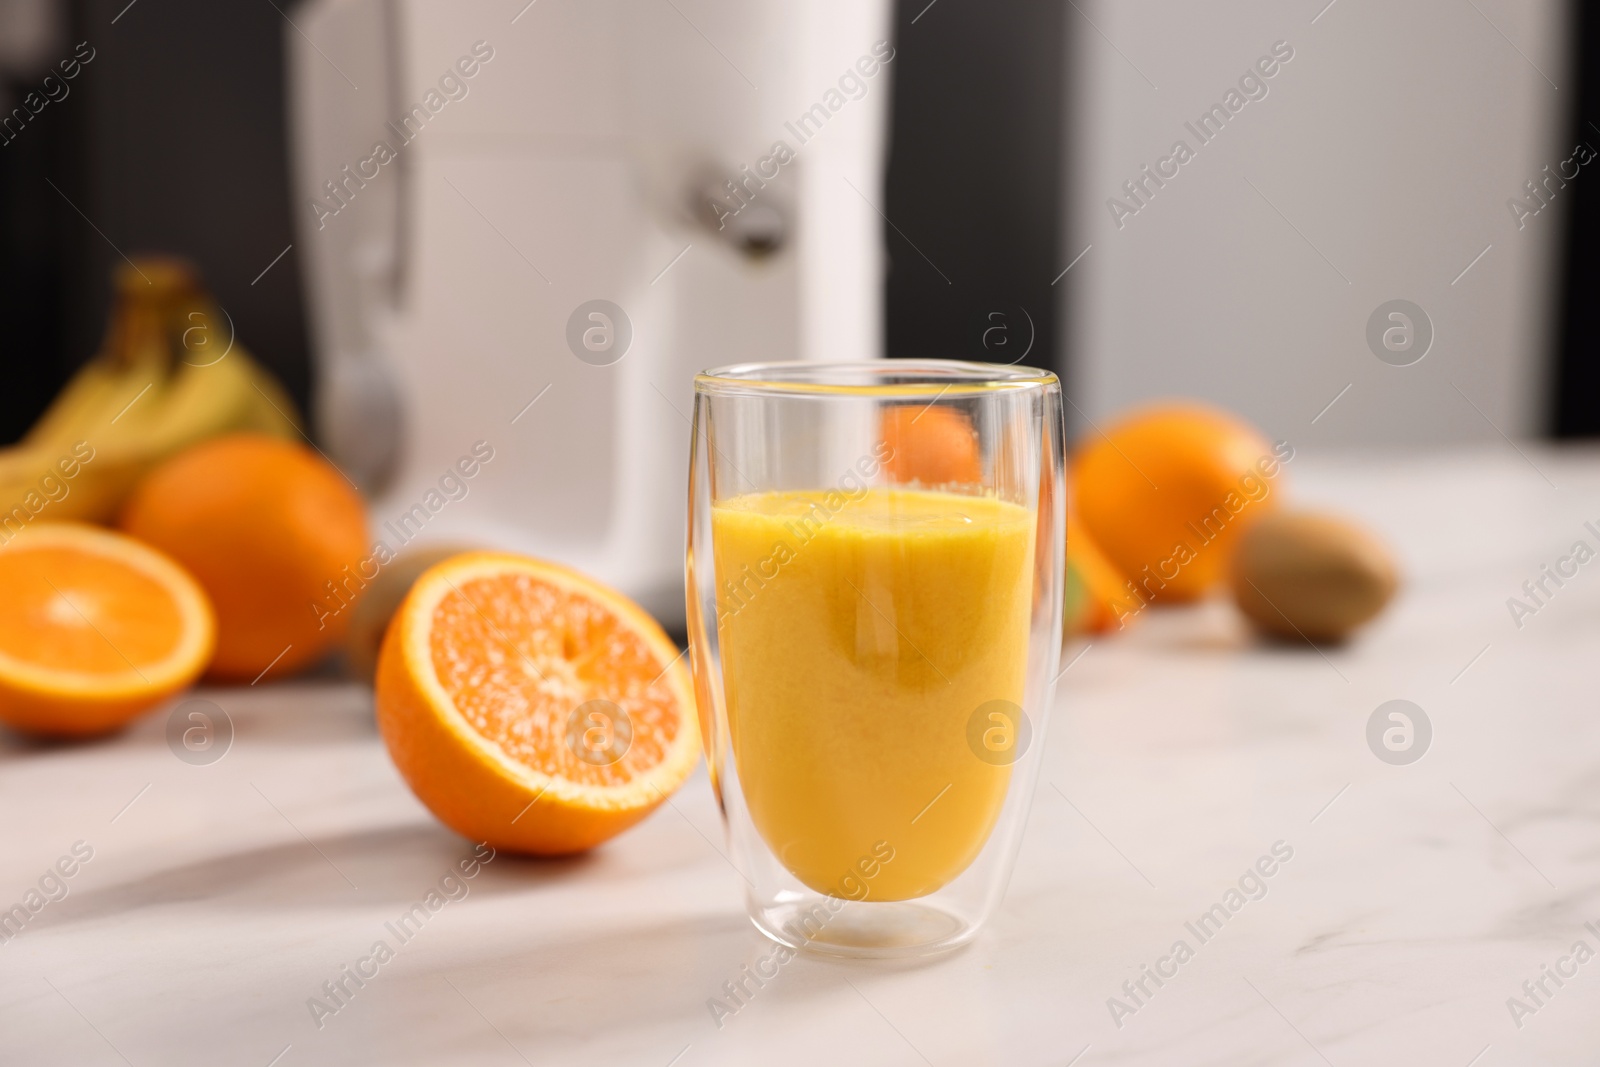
(1305, 575)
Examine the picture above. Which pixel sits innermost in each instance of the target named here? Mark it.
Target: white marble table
(1418, 900)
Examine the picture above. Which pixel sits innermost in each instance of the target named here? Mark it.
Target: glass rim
(865, 378)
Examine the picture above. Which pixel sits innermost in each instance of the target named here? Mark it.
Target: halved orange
(531, 707)
(96, 628)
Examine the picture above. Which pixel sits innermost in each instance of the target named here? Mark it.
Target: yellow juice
(859, 635)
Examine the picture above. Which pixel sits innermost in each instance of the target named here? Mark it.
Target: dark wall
(33, 263)
(975, 181)
(171, 140)
(1575, 397)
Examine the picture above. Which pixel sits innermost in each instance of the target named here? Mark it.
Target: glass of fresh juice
(875, 564)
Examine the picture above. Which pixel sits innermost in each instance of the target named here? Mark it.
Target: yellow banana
(155, 389)
(102, 390)
(273, 412)
(78, 404)
(198, 402)
(54, 489)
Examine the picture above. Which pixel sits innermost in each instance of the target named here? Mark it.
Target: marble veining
(1421, 903)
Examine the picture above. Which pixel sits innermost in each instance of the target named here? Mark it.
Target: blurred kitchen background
(1383, 162)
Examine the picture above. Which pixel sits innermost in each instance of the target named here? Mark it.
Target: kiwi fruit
(1303, 574)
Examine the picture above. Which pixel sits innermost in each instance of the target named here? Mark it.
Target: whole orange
(1166, 492)
(275, 535)
(930, 444)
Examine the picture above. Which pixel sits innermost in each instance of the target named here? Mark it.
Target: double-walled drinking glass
(875, 569)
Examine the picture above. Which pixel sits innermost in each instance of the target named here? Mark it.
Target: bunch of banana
(169, 375)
